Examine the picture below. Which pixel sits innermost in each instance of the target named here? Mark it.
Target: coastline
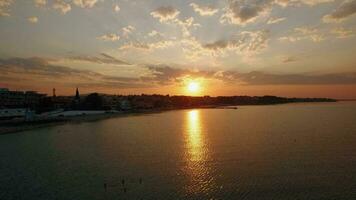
(15, 127)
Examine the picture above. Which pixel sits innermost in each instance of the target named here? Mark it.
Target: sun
(193, 87)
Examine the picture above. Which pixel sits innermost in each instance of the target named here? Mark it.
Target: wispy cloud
(4, 7)
(109, 37)
(61, 6)
(304, 33)
(126, 31)
(32, 20)
(103, 58)
(341, 32)
(273, 20)
(85, 3)
(245, 41)
(208, 10)
(165, 13)
(40, 3)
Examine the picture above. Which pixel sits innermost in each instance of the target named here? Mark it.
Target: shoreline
(20, 126)
(25, 126)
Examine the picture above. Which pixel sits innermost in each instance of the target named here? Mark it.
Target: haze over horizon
(295, 48)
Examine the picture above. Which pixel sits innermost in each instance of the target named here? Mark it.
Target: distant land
(40, 103)
(28, 109)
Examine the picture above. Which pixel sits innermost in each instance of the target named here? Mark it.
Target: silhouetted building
(77, 95)
(76, 101)
(19, 99)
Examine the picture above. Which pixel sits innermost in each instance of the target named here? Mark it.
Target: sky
(292, 48)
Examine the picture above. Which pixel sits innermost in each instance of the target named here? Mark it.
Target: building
(19, 99)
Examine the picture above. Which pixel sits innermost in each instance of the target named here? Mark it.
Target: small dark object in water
(105, 186)
(140, 181)
(125, 190)
(123, 181)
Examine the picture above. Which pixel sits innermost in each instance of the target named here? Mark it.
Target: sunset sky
(302, 48)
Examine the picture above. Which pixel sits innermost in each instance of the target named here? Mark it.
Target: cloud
(101, 59)
(289, 59)
(260, 78)
(109, 37)
(342, 32)
(155, 34)
(217, 45)
(304, 33)
(145, 46)
(38, 71)
(243, 12)
(164, 74)
(344, 11)
(135, 46)
(185, 25)
(204, 10)
(116, 8)
(32, 20)
(61, 6)
(126, 31)
(4, 7)
(169, 15)
(85, 3)
(40, 3)
(246, 41)
(165, 13)
(315, 2)
(65, 6)
(275, 20)
(285, 3)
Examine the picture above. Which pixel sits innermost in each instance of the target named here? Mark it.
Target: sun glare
(193, 87)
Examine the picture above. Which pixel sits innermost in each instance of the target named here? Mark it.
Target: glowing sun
(193, 87)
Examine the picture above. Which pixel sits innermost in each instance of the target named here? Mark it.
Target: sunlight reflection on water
(201, 180)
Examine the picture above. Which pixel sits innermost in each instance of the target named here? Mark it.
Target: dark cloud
(165, 74)
(220, 44)
(101, 59)
(260, 78)
(346, 9)
(244, 41)
(40, 72)
(242, 12)
(39, 69)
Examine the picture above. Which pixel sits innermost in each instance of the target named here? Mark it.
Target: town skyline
(299, 48)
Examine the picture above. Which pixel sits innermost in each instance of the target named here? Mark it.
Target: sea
(279, 152)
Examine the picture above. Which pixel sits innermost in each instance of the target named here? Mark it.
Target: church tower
(77, 95)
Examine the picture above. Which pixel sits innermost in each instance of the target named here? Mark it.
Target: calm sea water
(294, 151)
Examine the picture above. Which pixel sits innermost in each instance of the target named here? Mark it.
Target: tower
(54, 92)
(77, 96)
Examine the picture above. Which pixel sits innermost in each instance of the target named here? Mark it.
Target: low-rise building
(19, 99)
